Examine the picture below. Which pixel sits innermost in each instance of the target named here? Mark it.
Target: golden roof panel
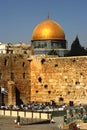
(48, 29)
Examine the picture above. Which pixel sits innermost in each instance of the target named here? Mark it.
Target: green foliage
(76, 49)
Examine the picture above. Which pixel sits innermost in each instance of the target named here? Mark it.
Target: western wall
(43, 78)
(62, 79)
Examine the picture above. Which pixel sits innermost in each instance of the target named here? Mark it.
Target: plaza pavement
(7, 123)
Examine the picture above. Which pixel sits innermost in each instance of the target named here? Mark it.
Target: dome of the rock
(48, 30)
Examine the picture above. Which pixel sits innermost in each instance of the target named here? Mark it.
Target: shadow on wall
(18, 100)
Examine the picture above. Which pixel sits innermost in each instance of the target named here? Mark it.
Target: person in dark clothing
(18, 120)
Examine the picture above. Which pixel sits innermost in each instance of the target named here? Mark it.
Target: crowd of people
(34, 106)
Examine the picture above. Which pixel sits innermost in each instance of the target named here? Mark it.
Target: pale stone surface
(60, 77)
(44, 78)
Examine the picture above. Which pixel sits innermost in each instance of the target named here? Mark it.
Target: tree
(76, 49)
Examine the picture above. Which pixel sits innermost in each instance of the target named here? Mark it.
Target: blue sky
(19, 17)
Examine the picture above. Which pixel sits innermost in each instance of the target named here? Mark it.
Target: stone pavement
(7, 123)
(30, 127)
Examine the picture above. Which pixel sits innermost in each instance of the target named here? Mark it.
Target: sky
(18, 18)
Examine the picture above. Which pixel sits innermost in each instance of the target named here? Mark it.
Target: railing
(26, 114)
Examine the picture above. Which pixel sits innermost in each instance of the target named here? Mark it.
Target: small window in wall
(45, 44)
(12, 76)
(0, 76)
(23, 75)
(5, 62)
(23, 64)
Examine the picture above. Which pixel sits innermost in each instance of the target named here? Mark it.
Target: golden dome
(48, 30)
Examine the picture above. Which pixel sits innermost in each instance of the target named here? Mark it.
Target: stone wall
(44, 78)
(15, 68)
(59, 79)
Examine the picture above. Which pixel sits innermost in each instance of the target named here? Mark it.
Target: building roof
(48, 30)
